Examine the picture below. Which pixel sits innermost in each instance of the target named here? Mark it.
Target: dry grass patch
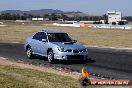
(91, 37)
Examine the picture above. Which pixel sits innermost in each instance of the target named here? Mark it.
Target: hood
(69, 45)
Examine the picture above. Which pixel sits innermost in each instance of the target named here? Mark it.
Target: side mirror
(75, 41)
(44, 40)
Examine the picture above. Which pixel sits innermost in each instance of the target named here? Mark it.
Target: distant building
(114, 16)
(46, 19)
(34, 19)
(60, 19)
(38, 19)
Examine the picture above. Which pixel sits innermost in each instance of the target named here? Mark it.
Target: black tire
(29, 52)
(51, 56)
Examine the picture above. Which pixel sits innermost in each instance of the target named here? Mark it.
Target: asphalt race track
(111, 63)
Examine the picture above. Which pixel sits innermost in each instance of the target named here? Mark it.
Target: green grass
(91, 37)
(16, 77)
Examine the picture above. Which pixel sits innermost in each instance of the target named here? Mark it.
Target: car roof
(51, 31)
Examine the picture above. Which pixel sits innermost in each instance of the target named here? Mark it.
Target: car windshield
(59, 37)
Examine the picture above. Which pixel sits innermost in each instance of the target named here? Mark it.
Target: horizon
(65, 11)
(94, 7)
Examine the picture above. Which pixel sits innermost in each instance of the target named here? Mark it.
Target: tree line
(8, 16)
(54, 17)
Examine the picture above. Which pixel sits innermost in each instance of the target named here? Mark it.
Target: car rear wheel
(51, 57)
(29, 52)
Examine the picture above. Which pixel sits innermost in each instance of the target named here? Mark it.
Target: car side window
(44, 36)
(39, 36)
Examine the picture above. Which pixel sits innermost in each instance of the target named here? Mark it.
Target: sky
(94, 7)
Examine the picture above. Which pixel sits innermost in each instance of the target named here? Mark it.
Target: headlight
(85, 50)
(61, 49)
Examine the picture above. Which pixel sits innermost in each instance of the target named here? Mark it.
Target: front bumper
(71, 56)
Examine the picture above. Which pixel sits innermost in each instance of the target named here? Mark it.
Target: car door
(42, 48)
(38, 46)
(35, 42)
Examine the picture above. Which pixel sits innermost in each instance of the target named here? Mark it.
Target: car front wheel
(51, 57)
(29, 52)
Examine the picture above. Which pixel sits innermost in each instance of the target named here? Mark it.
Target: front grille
(75, 51)
(75, 57)
(81, 50)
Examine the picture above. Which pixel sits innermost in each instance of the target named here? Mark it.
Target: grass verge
(16, 77)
